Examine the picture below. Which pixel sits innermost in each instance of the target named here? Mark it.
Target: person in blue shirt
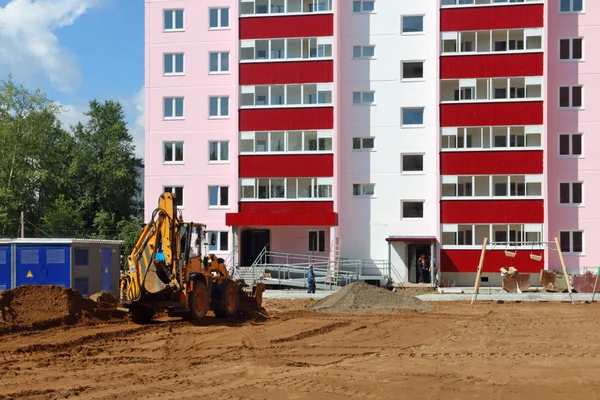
(310, 277)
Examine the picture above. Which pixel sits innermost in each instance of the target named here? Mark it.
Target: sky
(76, 51)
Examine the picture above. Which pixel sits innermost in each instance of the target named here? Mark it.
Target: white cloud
(134, 108)
(29, 44)
(72, 114)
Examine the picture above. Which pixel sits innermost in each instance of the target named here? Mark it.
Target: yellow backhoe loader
(167, 272)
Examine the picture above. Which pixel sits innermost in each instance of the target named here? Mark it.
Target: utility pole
(22, 224)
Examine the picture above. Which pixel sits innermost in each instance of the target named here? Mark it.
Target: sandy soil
(456, 351)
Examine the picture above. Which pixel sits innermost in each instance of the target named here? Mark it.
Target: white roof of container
(42, 241)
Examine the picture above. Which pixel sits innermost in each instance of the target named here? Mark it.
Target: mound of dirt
(39, 307)
(362, 298)
(105, 298)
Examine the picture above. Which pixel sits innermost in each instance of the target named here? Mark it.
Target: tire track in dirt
(312, 332)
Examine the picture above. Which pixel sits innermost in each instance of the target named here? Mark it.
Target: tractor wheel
(199, 301)
(141, 315)
(229, 302)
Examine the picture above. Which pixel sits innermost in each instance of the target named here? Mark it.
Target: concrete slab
(295, 294)
(539, 297)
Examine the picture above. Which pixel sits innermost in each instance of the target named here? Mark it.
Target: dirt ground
(456, 351)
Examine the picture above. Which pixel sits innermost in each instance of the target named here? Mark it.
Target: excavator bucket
(251, 300)
(552, 281)
(152, 283)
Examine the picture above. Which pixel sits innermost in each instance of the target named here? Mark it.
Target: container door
(57, 266)
(29, 266)
(106, 265)
(4, 267)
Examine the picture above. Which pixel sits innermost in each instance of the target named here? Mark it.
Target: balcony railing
(472, 3)
(275, 96)
(471, 236)
(491, 89)
(492, 138)
(290, 142)
(492, 187)
(286, 189)
(283, 7)
(320, 48)
(492, 41)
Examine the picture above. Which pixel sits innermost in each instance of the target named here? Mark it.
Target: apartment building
(392, 128)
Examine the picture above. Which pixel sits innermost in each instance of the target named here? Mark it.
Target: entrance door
(414, 252)
(106, 265)
(253, 241)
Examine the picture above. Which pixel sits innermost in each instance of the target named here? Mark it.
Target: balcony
(492, 41)
(477, 17)
(475, 3)
(286, 142)
(285, 165)
(286, 189)
(498, 187)
(491, 89)
(249, 8)
(513, 235)
(283, 213)
(297, 49)
(492, 138)
(492, 163)
(286, 119)
(282, 96)
(492, 113)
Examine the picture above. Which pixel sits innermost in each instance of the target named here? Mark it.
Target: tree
(61, 220)
(129, 232)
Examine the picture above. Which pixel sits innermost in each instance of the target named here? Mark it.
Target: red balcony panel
(265, 119)
(492, 211)
(492, 162)
(486, 66)
(468, 260)
(484, 18)
(239, 219)
(273, 73)
(286, 207)
(492, 114)
(280, 166)
(292, 26)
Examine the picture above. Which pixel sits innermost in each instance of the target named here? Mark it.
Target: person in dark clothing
(423, 270)
(310, 278)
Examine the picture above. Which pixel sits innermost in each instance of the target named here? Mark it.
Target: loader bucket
(253, 300)
(552, 281)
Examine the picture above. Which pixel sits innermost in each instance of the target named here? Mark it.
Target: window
(178, 192)
(316, 241)
(570, 96)
(412, 69)
(363, 97)
(412, 116)
(55, 256)
(363, 6)
(570, 144)
(218, 196)
(363, 51)
(287, 188)
(219, 62)
(173, 64)
(218, 18)
(173, 20)
(571, 241)
(363, 143)
(412, 23)
(81, 257)
(218, 241)
(290, 141)
(412, 162)
(571, 193)
(412, 209)
(219, 106)
(173, 108)
(571, 6)
(364, 189)
(173, 152)
(218, 151)
(571, 49)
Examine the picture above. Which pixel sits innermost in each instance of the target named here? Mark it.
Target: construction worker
(310, 277)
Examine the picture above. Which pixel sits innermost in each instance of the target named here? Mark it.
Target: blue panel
(28, 267)
(4, 267)
(57, 266)
(107, 269)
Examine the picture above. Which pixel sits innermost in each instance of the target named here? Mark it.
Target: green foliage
(129, 232)
(69, 184)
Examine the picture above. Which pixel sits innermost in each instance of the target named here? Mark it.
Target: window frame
(173, 189)
(173, 144)
(219, 107)
(404, 125)
(219, 70)
(362, 52)
(219, 150)
(219, 18)
(421, 32)
(173, 19)
(218, 241)
(570, 136)
(87, 256)
(570, 106)
(174, 117)
(570, 249)
(403, 202)
(420, 79)
(362, 96)
(174, 60)
(362, 8)
(571, 59)
(570, 203)
(362, 190)
(318, 247)
(219, 196)
(416, 172)
(571, 8)
(362, 147)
